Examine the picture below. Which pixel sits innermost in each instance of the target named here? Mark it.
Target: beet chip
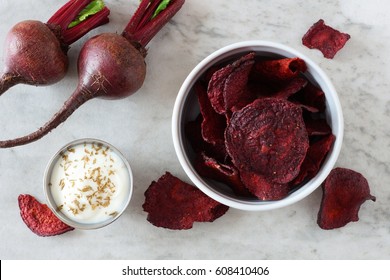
(213, 124)
(314, 158)
(209, 167)
(268, 137)
(193, 132)
(291, 88)
(344, 191)
(39, 218)
(174, 204)
(262, 188)
(324, 38)
(317, 126)
(227, 86)
(311, 97)
(279, 69)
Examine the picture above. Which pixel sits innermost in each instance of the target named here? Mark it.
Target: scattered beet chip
(174, 204)
(39, 218)
(262, 188)
(228, 84)
(268, 137)
(279, 69)
(314, 158)
(210, 168)
(324, 38)
(344, 191)
(213, 124)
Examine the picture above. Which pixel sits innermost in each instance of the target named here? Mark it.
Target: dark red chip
(311, 97)
(314, 158)
(216, 88)
(317, 126)
(262, 188)
(269, 138)
(344, 191)
(213, 124)
(209, 167)
(227, 86)
(236, 94)
(279, 69)
(39, 218)
(324, 38)
(193, 132)
(291, 88)
(174, 204)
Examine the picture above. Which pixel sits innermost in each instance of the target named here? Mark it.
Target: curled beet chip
(344, 191)
(213, 124)
(236, 95)
(262, 188)
(209, 167)
(311, 98)
(227, 86)
(216, 88)
(324, 38)
(314, 158)
(279, 69)
(193, 132)
(317, 126)
(268, 137)
(174, 204)
(39, 218)
(291, 88)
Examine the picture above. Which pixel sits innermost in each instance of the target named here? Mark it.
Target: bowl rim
(51, 203)
(234, 49)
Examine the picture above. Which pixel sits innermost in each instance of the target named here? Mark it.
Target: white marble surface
(140, 126)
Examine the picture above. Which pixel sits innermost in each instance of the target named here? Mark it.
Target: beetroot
(110, 65)
(35, 52)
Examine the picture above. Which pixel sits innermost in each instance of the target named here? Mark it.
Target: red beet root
(110, 66)
(35, 52)
(31, 67)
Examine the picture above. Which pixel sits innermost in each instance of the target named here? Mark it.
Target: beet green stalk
(111, 65)
(36, 53)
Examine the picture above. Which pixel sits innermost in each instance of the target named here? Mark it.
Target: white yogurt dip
(90, 183)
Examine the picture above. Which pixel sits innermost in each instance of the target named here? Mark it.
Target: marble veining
(140, 126)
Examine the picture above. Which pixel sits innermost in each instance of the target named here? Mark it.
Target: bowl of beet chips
(257, 125)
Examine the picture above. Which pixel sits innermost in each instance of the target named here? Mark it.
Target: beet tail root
(78, 98)
(7, 81)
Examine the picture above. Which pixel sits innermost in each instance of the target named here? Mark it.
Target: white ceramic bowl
(186, 108)
(103, 166)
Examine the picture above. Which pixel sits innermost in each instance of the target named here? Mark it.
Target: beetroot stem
(64, 16)
(73, 34)
(78, 98)
(137, 17)
(148, 14)
(143, 27)
(67, 13)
